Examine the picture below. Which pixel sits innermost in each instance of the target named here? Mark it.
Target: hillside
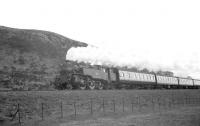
(31, 57)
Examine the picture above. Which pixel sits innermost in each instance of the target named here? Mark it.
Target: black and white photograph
(99, 63)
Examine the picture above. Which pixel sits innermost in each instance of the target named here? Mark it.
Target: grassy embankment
(93, 104)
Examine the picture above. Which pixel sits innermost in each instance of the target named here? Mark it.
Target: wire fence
(79, 108)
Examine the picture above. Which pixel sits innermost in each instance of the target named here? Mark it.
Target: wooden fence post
(172, 99)
(152, 101)
(169, 104)
(132, 105)
(42, 111)
(186, 100)
(159, 104)
(163, 103)
(19, 119)
(199, 100)
(61, 109)
(123, 104)
(75, 113)
(113, 105)
(103, 106)
(138, 103)
(193, 100)
(189, 100)
(183, 103)
(91, 107)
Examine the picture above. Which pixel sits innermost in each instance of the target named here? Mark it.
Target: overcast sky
(161, 32)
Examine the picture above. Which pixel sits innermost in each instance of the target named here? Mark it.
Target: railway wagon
(136, 80)
(167, 82)
(186, 83)
(196, 83)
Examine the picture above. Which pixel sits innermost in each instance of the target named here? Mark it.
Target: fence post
(75, 113)
(123, 104)
(19, 119)
(132, 105)
(163, 103)
(198, 100)
(113, 105)
(61, 109)
(42, 111)
(103, 106)
(169, 103)
(186, 100)
(193, 100)
(177, 101)
(189, 100)
(138, 103)
(159, 104)
(152, 101)
(91, 107)
(173, 103)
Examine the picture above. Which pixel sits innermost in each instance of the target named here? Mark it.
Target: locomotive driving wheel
(99, 85)
(91, 85)
(68, 86)
(82, 85)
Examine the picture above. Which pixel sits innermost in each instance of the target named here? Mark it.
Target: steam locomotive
(113, 78)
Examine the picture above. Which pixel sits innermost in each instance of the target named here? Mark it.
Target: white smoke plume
(181, 64)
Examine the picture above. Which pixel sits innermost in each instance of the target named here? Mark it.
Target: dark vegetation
(31, 59)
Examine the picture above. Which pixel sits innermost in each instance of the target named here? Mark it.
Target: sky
(157, 34)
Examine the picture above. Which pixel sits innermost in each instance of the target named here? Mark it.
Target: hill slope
(29, 57)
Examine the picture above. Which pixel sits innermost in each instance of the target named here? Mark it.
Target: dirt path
(189, 116)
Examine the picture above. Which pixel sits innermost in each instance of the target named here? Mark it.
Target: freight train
(113, 78)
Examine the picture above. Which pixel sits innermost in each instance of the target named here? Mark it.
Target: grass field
(106, 107)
